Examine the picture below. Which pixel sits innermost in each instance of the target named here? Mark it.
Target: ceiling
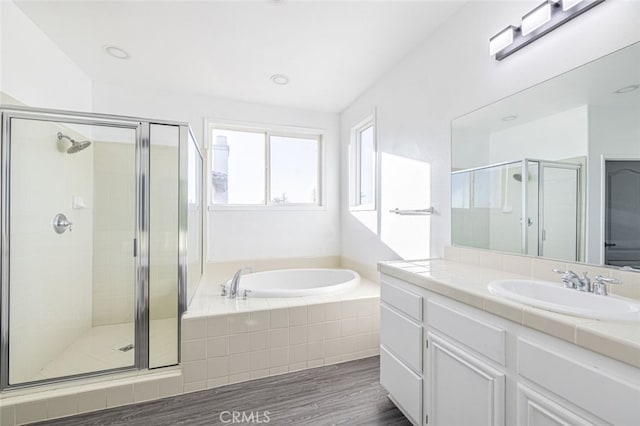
(332, 51)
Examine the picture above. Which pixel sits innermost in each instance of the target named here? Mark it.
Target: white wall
(452, 74)
(33, 70)
(240, 235)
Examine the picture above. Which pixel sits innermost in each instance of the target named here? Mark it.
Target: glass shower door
(72, 212)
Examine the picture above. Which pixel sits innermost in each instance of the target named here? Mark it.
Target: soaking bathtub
(297, 282)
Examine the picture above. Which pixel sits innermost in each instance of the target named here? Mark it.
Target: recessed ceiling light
(116, 52)
(509, 118)
(628, 89)
(280, 79)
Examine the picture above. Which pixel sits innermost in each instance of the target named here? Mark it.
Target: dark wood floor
(341, 394)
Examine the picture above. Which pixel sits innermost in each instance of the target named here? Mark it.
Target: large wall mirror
(554, 170)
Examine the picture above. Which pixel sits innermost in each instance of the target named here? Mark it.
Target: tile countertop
(468, 284)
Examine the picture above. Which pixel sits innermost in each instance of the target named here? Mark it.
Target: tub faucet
(235, 281)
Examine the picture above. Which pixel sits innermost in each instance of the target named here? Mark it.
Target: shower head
(75, 145)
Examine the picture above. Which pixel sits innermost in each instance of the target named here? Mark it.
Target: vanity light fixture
(538, 22)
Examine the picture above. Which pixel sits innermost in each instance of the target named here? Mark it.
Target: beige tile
(297, 353)
(259, 360)
(238, 343)
(502, 308)
(363, 342)
(170, 386)
(315, 363)
(315, 332)
(297, 366)
(194, 387)
(279, 318)
(259, 374)
(7, 415)
(468, 298)
(279, 357)
(364, 325)
(630, 286)
(29, 412)
(298, 335)
(315, 350)
(239, 323)
(542, 269)
(217, 346)
(363, 307)
(488, 259)
(193, 350)
(62, 406)
(278, 370)
(146, 391)
(194, 371)
(315, 314)
(217, 367)
(332, 360)
(520, 265)
(349, 309)
(549, 324)
(332, 311)
(217, 382)
(298, 316)
(240, 377)
(349, 326)
(332, 329)
(451, 253)
(119, 395)
(238, 363)
(194, 328)
(259, 320)
(469, 256)
(217, 326)
(603, 343)
(259, 341)
(332, 347)
(278, 338)
(348, 345)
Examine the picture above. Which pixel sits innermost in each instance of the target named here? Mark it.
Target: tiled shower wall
(221, 349)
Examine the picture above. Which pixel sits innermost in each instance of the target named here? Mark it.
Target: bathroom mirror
(554, 170)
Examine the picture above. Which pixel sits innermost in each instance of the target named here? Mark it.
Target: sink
(556, 298)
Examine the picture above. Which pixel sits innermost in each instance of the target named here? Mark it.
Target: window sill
(288, 208)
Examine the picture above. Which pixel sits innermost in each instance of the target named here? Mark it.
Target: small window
(258, 168)
(363, 167)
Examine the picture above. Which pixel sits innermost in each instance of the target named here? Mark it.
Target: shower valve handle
(61, 224)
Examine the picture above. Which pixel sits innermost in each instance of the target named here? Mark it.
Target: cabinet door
(462, 389)
(537, 410)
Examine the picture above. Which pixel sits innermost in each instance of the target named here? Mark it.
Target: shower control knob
(61, 224)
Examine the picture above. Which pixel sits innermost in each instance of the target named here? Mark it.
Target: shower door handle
(61, 224)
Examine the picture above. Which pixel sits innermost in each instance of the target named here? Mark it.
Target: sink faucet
(235, 281)
(571, 280)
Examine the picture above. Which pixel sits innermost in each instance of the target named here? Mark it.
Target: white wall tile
(240, 377)
(332, 329)
(274, 371)
(194, 371)
(313, 363)
(217, 326)
(194, 328)
(8, 415)
(332, 311)
(297, 366)
(217, 346)
(217, 367)
(259, 360)
(279, 318)
(259, 374)
(349, 308)
(349, 326)
(145, 390)
(193, 350)
(279, 357)
(259, 341)
(298, 315)
(238, 363)
(217, 382)
(259, 320)
(332, 347)
(315, 350)
(315, 332)
(194, 387)
(61, 406)
(29, 412)
(238, 343)
(239, 323)
(315, 313)
(279, 338)
(170, 386)
(348, 345)
(297, 335)
(297, 353)
(365, 325)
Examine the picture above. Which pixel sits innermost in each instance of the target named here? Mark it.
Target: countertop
(467, 283)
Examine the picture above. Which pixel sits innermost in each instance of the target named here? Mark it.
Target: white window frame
(268, 130)
(355, 166)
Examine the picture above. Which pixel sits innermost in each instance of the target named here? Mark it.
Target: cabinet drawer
(611, 399)
(401, 299)
(401, 336)
(404, 386)
(486, 339)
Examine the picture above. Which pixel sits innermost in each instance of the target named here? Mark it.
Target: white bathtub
(297, 282)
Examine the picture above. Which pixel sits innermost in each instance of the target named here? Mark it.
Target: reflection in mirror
(194, 217)
(362, 166)
(554, 170)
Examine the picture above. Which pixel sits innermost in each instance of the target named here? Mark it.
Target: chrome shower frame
(141, 126)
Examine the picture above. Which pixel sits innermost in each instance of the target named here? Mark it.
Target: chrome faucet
(572, 280)
(235, 281)
(600, 285)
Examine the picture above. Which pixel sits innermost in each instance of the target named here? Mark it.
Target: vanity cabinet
(480, 369)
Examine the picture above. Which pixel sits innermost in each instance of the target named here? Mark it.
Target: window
(363, 166)
(258, 167)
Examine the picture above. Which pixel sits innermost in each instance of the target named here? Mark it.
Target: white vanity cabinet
(481, 369)
(401, 341)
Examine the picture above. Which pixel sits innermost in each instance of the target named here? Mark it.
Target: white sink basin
(554, 297)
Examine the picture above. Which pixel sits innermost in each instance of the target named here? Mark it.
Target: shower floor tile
(98, 349)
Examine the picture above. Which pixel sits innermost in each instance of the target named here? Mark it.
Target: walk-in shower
(527, 206)
(94, 244)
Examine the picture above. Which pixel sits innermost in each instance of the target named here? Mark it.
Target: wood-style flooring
(341, 394)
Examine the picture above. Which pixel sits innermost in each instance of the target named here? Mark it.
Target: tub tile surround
(223, 342)
(464, 273)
